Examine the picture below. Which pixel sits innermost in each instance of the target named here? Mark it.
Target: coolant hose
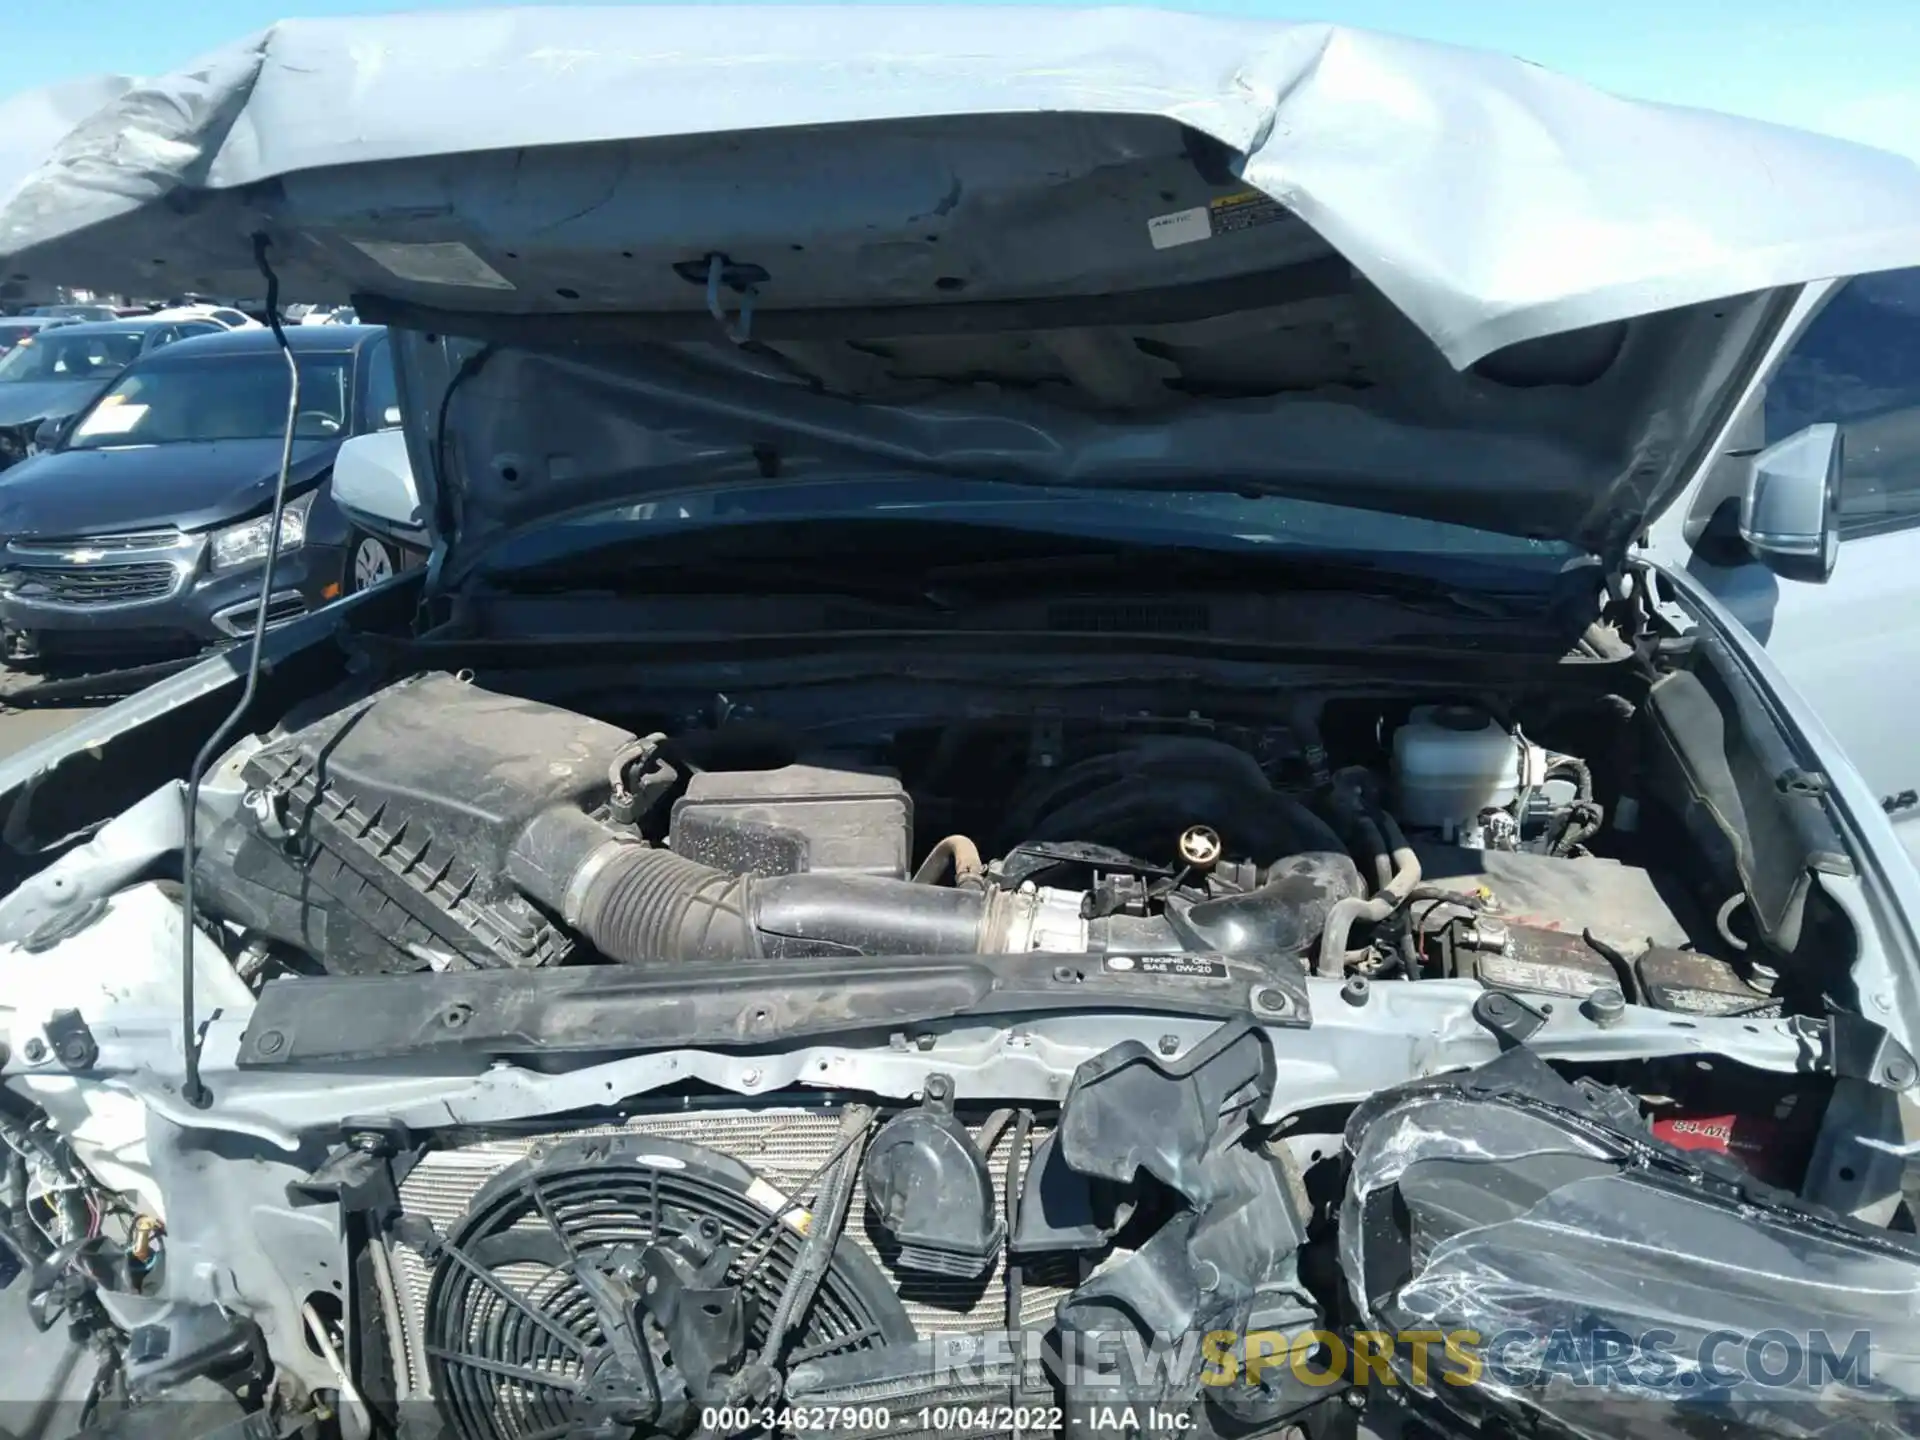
(1331, 963)
(958, 849)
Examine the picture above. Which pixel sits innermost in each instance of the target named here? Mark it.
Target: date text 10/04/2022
(877, 1419)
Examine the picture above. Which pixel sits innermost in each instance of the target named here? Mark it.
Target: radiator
(785, 1145)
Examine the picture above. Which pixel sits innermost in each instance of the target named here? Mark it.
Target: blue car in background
(140, 533)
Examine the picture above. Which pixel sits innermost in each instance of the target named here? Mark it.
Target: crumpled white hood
(1491, 200)
(1180, 224)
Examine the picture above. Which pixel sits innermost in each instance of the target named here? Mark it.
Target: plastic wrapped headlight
(246, 543)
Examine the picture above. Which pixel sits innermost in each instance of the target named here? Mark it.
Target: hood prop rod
(193, 1090)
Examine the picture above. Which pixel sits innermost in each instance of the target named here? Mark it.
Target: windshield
(197, 399)
(12, 333)
(55, 354)
(1197, 518)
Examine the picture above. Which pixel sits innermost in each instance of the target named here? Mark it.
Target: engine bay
(981, 819)
(692, 1064)
(438, 825)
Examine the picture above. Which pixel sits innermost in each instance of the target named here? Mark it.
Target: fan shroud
(512, 1337)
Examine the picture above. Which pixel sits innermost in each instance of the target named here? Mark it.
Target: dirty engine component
(439, 824)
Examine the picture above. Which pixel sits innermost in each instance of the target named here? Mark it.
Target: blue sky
(1849, 67)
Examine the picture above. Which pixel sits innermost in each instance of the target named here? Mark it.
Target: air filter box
(381, 833)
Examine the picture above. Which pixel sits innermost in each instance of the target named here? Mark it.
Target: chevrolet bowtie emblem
(83, 557)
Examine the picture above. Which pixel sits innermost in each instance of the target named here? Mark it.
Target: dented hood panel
(996, 224)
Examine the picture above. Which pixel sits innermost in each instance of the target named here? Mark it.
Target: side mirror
(50, 433)
(1790, 514)
(373, 486)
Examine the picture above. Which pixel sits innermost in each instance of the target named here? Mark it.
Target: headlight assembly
(246, 543)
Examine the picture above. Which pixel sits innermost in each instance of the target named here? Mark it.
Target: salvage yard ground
(20, 728)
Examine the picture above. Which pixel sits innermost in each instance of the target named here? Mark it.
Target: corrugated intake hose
(650, 903)
(636, 904)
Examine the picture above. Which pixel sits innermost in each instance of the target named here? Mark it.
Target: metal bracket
(1512, 1020)
(355, 1180)
(72, 1041)
(1853, 1047)
(363, 1174)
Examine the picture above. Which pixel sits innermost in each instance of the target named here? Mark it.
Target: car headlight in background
(246, 543)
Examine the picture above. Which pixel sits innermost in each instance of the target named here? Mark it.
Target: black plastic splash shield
(338, 1019)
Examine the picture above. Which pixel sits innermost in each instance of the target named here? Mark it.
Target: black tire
(370, 560)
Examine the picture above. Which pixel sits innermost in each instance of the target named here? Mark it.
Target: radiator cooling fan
(609, 1286)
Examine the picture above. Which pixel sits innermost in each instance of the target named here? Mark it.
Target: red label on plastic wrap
(1752, 1140)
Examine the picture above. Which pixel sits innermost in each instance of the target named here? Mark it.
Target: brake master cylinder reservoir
(1451, 763)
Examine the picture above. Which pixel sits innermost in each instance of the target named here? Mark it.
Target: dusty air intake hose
(636, 904)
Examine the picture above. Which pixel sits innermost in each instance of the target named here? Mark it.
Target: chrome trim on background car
(237, 619)
(100, 572)
(64, 547)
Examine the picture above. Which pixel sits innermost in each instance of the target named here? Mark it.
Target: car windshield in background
(192, 400)
(51, 355)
